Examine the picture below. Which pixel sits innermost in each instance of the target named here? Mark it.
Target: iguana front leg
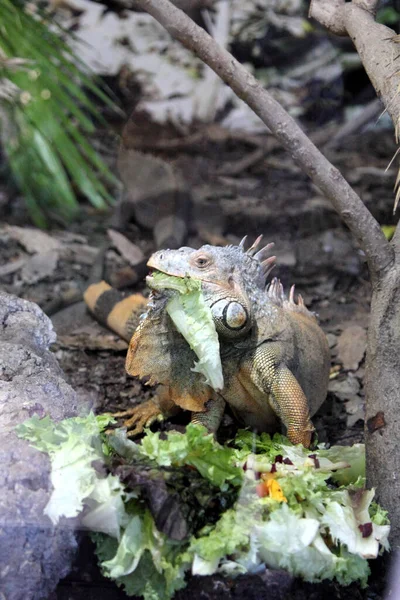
(142, 415)
(285, 394)
(211, 418)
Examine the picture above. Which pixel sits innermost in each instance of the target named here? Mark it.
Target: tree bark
(382, 388)
(378, 52)
(329, 14)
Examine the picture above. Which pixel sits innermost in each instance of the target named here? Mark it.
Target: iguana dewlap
(275, 357)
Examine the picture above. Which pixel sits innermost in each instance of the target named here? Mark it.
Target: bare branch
(329, 14)
(347, 203)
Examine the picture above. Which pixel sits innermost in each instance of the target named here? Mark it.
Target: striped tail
(114, 309)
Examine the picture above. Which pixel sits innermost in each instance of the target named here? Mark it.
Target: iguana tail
(114, 309)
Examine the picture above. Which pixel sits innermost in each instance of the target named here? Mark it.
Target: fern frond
(46, 117)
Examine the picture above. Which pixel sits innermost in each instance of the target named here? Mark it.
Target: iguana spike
(268, 265)
(291, 295)
(263, 253)
(254, 247)
(243, 243)
(275, 291)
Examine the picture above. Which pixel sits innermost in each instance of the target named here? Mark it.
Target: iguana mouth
(165, 288)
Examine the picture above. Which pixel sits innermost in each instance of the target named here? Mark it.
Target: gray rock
(34, 555)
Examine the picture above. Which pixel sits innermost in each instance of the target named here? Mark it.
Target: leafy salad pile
(180, 502)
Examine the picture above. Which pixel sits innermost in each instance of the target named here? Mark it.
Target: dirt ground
(314, 251)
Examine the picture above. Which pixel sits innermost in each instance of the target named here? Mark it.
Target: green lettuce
(193, 319)
(72, 445)
(197, 449)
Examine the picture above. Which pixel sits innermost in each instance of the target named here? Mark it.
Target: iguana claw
(140, 416)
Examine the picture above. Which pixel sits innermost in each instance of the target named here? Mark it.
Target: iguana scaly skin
(275, 357)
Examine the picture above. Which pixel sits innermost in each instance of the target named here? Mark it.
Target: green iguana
(275, 357)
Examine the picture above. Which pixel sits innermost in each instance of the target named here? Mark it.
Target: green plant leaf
(51, 117)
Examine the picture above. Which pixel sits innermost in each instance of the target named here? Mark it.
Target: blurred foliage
(388, 16)
(46, 117)
(388, 231)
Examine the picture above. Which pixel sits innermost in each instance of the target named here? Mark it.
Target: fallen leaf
(376, 422)
(12, 266)
(355, 410)
(85, 340)
(129, 251)
(81, 253)
(351, 347)
(33, 240)
(39, 266)
(346, 388)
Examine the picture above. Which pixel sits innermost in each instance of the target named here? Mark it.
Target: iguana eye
(202, 261)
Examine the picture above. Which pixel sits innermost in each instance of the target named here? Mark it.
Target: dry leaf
(129, 251)
(39, 266)
(351, 347)
(33, 240)
(12, 266)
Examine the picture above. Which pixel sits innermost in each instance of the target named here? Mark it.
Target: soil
(313, 249)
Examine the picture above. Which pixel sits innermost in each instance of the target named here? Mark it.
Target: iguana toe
(140, 416)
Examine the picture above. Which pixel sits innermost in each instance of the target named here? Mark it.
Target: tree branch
(368, 5)
(374, 43)
(347, 203)
(329, 14)
(378, 52)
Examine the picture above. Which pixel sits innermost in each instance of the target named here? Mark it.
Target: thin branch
(347, 203)
(329, 14)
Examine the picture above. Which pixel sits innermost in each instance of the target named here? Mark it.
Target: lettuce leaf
(196, 448)
(73, 445)
(145, 562)
(193, 319)
(107, 512)
(183, 285)
(291, 542)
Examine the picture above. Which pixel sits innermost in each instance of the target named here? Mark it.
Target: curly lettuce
(193, 319)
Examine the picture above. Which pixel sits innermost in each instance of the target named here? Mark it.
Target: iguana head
(231, 277)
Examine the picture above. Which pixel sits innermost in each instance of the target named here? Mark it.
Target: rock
(34, 555)
(355, 409)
